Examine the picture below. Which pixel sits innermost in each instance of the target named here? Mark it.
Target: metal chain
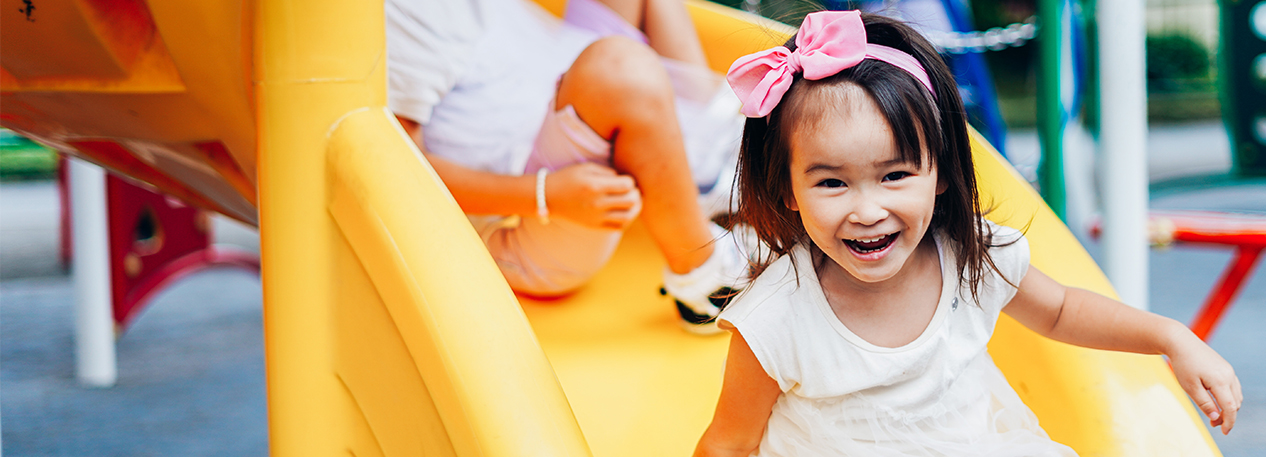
(994, 39)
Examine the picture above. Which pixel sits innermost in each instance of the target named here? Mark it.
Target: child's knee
(616, 68)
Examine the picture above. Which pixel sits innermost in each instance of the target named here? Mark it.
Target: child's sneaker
(702, 293)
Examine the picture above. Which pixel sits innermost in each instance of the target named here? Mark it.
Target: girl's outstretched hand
(1208, 379)
(593, 195)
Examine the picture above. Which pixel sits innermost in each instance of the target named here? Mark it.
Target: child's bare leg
(619, 88)
(667, 26)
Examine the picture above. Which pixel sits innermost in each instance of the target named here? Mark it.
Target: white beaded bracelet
(542, 211)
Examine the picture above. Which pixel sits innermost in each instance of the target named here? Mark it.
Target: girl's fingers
(618, 184)
(621, 201)
(619, 219)
(1235, 387)
(595, 169)
(1205, 402)
(1230, 406)
(626, 211)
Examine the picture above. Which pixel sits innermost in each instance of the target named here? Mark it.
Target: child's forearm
(480, 192)
(747, 399)
(1092, 320)
(477, 192)
(1099, 322)
(707, 450)
(1088, 319)
(718, 443)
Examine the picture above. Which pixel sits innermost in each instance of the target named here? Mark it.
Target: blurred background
(190, 363)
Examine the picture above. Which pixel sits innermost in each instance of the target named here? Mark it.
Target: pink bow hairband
(827, 43)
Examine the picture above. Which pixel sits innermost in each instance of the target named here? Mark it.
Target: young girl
(555, 136)
(866, 336)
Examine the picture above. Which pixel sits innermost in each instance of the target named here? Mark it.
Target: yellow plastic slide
(389, 330)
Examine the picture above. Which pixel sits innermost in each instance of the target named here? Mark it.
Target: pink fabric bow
(828, 42)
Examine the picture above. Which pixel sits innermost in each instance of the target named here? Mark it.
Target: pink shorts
(553, 259)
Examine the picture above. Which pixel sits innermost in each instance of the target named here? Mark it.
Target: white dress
(939, 395)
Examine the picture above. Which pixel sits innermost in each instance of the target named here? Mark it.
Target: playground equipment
(389, 330)
(1242, 62)
(1246, 234)
(153, 241)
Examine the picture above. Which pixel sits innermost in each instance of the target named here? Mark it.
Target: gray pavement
(191, 367)
(191, 374)
(191, 370)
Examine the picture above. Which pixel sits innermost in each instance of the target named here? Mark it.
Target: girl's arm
(1084, 318)
(747, 398)
(587, 193)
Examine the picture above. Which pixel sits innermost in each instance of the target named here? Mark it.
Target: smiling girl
(866, 333)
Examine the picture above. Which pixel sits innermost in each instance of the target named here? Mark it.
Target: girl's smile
(872, 249)
(862, 205)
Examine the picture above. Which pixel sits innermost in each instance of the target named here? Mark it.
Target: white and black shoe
(703, 321)
(701, 294)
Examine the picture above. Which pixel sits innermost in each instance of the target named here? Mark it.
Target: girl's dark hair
(917, 119)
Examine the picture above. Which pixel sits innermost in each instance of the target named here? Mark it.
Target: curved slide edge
(480, 363)
(388, 330)
(1097, 402)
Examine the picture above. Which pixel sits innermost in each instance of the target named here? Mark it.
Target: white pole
(94, 324)
(1123, 142)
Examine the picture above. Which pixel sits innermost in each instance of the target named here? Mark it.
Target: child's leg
(667, 26)
(619, 88)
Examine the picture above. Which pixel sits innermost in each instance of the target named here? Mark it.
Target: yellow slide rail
(389, 329)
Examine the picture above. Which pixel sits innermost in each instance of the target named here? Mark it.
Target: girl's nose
(867, 212)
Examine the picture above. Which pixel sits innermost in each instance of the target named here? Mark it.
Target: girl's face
(859, 203)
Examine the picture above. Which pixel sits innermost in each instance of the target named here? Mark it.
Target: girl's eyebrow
(891, 162)
(823, 167)
(819, 166)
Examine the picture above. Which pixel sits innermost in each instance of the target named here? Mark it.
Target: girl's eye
(895, 176)
(832, 183)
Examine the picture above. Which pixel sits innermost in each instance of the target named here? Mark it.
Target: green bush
(21, 158)
(1177, 63)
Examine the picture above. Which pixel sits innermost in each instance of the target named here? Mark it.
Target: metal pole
(1050, 109)
(1123, 143)
(94, 325)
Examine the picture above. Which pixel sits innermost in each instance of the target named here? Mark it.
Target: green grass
(23, 159)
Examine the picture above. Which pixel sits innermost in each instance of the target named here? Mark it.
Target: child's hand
(593, 195)
(1201, 372)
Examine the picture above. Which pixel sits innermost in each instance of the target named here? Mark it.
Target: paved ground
(191, 368)
(191, 374)
(191, 378)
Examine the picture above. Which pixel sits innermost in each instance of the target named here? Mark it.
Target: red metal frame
(177, 243)
(65, 248)
(139, 295)
(1246, 233)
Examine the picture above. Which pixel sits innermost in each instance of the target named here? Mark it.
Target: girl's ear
(790, 201)
(941, 184)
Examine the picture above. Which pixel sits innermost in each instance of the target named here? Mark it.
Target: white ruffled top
(939, 395)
